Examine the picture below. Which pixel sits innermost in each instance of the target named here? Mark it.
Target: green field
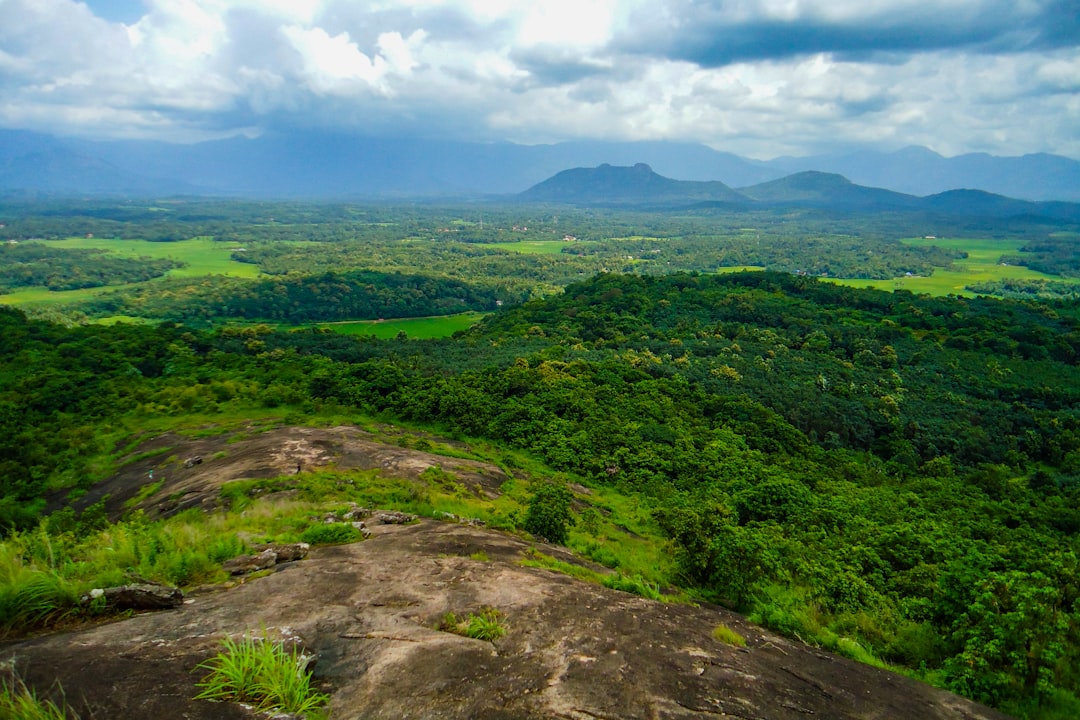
(535, 247)
(418, 328)
(981, 265)
(202, 255)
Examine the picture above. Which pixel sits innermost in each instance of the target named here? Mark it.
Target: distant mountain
(335, 165)
(821, 189)
(919, 171)
(638, 185)
(33, 162)
(983, 204)
(642, 187)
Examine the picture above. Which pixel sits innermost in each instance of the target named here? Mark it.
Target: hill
(607, 184)
(827, 190)
(371, 613)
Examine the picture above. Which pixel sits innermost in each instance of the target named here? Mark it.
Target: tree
(548, 515)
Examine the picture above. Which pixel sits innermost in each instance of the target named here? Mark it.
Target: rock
(193, 461)
(572, 649)
(364, 532)
(288, 552)
(356, 513)
(250, 563)
(139, 596)
(395, 518)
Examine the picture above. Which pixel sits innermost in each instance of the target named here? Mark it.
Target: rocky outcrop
(370, 611)
(138, 596)
(266, 558)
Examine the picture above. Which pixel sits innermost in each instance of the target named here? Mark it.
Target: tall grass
(18, 702)
(263, 673)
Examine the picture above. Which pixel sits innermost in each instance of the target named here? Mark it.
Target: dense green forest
(899, 470)
(888, 475)
(35, 264)
(325, 296)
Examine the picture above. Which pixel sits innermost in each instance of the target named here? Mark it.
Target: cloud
(762, 77)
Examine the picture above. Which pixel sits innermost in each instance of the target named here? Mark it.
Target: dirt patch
(572, 649)
(256, 453)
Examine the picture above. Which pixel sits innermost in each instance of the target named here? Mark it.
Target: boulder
(392, 517)
(251, 563)
(288, 552)
(138, 596)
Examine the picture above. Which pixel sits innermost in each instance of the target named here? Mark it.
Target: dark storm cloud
(720, 33)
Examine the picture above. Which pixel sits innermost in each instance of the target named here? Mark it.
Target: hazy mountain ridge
(323, 165)
(640, 184)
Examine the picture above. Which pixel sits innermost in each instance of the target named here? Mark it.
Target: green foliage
(262, 673)
(18, 702)
(728, 636)
(30, 264)
(548, 515)
(486, 625)
(632, 584)
(330, 534)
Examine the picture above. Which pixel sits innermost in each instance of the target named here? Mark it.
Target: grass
(262, 673)
(423, 327)
(486, 625)
(18, 702)
(981, 265)
(726, 635)
(203, 256)
(536, 247)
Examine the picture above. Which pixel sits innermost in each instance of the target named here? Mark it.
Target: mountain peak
(625, 185)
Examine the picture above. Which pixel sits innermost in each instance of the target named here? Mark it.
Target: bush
(548, 515)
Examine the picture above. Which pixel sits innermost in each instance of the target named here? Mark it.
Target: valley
(680, 412)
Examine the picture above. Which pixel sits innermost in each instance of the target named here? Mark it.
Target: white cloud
(762, 77)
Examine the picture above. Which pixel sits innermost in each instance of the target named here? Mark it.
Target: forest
(890, 475)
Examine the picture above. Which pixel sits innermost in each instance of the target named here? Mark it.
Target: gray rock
(392, 517)
(251, 563)
(138, 596)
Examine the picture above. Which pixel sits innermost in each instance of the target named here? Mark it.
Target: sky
(761, 78)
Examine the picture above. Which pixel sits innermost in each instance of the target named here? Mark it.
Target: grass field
(419, 328)
(981, 265)
(534, 247)
(202, 255)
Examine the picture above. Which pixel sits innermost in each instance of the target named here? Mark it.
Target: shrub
(548, 515)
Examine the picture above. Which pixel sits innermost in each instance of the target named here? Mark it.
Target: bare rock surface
(369, 611)
(257, 452)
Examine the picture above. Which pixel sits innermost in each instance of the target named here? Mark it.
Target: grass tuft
(262, 673)
(18, 702)
(728, 636)
(486, 625)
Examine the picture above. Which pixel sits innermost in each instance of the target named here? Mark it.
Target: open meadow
(981, 265)
(416, 328)
(202, 256)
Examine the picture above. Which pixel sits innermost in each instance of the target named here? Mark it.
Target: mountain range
(640, 185)
(327, 165)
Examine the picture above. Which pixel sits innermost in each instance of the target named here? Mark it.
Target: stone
(392, 517)
(245, 564)
(288, 552)
(138, 596)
